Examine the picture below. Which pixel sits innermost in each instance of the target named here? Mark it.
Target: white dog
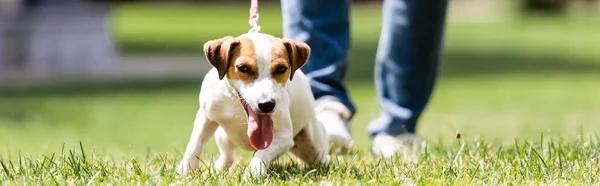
(257, 99)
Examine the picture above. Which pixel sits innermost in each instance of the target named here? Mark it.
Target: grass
(523, 92)
(548, 161)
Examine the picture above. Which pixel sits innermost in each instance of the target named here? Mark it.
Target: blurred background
(123, 76)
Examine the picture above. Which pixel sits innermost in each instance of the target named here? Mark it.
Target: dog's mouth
(260, 127)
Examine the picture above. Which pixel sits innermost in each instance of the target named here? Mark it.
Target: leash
(254, 17)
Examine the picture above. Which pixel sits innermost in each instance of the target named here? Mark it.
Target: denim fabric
(407, 56)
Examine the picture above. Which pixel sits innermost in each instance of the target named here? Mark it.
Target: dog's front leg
(203, 130)
(283, 140)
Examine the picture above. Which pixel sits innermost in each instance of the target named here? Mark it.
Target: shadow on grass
(285, 171)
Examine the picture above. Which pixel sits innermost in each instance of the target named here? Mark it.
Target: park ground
(524, 92)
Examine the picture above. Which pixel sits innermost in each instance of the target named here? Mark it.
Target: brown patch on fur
(301, 133)
(279, 59)
(298, 137)
(298, 53)
(218, 53)
(244, 54)
(303, 147)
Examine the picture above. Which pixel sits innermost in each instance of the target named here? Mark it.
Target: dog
(256, 98)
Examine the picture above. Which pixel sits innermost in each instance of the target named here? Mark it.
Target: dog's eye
(243, 68)
(280, 70)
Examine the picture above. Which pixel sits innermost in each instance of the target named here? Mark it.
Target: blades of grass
(6, 170)
(46, 159)
(560, 162)
(518, 149)
(474, 172)
(426, 150)
(203, 163)
(550, 148)
(136, 167)
(12, 166)
(92, 179)
(104, 170)
(541, 159)
(20, 164)
(72, 159)
(52, 159)
(163, 164)
(462, 147)
(542, 141)
(308, 174)
(45, 162)
(82, 152)
(53, 178)
(349, 164)
(32, 166)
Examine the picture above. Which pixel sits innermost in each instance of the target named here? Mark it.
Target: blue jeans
(407, 56)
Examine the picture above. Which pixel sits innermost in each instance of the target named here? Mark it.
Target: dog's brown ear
(298, 53)
(218, 53)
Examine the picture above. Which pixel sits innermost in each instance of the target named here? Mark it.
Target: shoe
(334, 117)
(387, 146)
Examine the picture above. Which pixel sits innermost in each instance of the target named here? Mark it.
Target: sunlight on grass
(524, 94)
(548, 161)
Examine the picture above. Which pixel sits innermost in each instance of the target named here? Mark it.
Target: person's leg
(325, 27)
(407, 61)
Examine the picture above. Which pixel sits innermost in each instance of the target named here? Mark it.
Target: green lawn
(524, 93)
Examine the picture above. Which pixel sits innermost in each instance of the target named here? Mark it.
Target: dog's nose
(267, 106)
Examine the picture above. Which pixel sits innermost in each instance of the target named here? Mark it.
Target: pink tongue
(260, 130)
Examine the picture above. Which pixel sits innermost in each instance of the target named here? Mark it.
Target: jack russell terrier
(257, 98)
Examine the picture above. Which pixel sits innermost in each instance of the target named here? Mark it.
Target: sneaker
(387, 146)
(334, 117)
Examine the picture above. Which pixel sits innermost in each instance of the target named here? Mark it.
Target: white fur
(221, 112)
(264, 88)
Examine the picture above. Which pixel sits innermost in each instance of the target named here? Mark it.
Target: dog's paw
(256, 168)
(325, 159)
(222, 164)
(183, 169)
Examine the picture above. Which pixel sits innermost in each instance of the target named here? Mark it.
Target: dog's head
(258, 66)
